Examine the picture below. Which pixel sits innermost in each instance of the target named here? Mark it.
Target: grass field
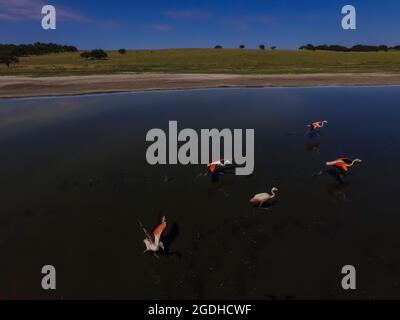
(209, 61)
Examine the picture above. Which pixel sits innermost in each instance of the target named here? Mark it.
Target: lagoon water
(75, 182)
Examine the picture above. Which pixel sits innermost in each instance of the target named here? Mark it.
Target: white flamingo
(260, 198)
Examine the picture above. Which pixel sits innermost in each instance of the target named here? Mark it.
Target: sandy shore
(19, 86)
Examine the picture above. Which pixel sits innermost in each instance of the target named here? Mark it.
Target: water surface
(75, 181)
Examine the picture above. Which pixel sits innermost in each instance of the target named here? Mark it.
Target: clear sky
(135, 24)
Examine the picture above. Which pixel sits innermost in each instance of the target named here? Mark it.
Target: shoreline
(30, 87)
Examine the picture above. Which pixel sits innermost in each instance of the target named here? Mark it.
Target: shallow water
(75, 181)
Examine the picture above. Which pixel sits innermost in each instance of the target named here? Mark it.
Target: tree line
(37, 48)
(9, 53)
(242, 46)
(99, 54)
(356, 48)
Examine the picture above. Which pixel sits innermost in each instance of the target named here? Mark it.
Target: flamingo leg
(319, 173)
(261, 206)
(203, 174)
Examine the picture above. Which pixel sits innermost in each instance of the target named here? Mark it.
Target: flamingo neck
(353, 162)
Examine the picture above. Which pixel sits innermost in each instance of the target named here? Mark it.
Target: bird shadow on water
(313, 147)
(312, 134)
(334, 174)
(267, 205)
(220, 173)
(215, 177)
(337, 191)
(169, 238)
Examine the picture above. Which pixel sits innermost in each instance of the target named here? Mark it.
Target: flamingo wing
(260, 197)
(157, 231)
(341, 166)
(315, 124)
(149, 236)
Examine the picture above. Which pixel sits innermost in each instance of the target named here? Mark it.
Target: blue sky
(136, 24)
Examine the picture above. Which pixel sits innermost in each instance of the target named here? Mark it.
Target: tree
(383, 47)
(85, 54)
(8, 57)
(307, 47)
(96, 54)
(70, 49)
(99, 54)
(273, 47)
(242, 46)
(262, 46)
(218, 46)
(122, 51)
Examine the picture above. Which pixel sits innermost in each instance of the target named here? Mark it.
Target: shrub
(96, 54)
(8, 57)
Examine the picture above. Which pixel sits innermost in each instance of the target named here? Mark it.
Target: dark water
(74, 182)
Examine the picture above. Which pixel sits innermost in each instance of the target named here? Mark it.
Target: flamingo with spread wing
(152, 240)
(213, 167)
(317, 124)
(342, 164)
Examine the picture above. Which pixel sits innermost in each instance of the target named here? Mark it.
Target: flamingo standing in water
(317, 125)
(260, 198)
(152, 240)
(342, 164)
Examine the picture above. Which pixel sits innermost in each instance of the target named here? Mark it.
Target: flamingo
(317, 124)
(152, 240)
(216, 168)
(261, 198)
(342, 164)
(213, 167)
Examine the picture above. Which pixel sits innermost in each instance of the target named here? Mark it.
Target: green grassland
(235, 61)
